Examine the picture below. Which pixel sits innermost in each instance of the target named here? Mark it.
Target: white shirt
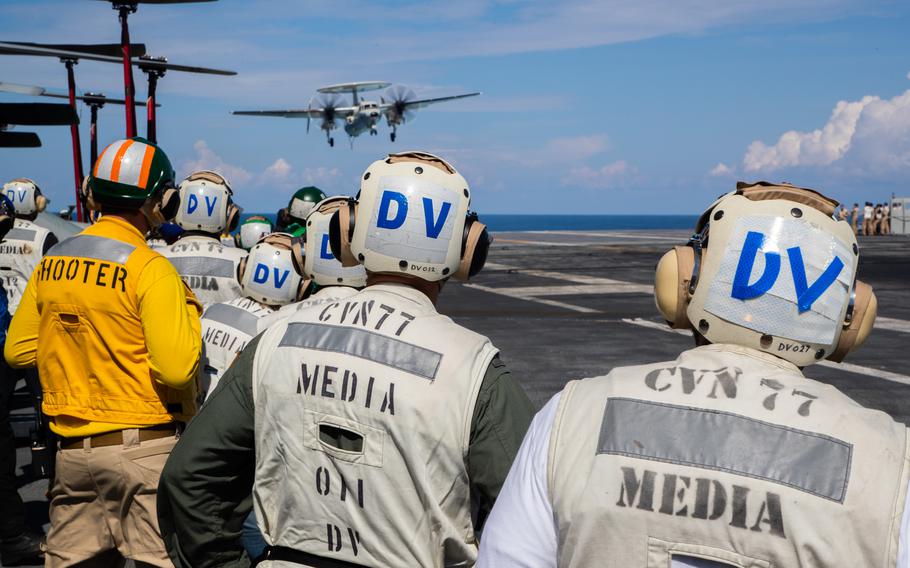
(524, 502)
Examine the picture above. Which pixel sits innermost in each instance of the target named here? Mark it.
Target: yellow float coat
(113, 330)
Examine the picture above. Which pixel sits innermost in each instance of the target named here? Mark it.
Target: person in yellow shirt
(115, 335)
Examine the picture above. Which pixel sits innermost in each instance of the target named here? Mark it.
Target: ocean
(573, 222)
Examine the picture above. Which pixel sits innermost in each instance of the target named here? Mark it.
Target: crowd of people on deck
(872, 219)
(225, 394)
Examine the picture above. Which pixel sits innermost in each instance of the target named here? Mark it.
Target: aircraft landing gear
(373, 131)
(332, 142)
(392, 136)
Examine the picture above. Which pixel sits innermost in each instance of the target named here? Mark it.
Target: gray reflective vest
(363, 419)
(226, 329)
(727, 454)
(208, 267)
(20, 252)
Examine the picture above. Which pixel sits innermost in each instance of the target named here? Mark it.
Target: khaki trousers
(104, 505)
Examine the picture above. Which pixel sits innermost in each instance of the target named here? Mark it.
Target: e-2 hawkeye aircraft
(397, 104)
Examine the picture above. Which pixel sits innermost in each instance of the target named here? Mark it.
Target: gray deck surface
(565, 305)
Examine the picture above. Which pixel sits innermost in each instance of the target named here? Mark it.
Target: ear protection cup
(233, 217)
(475, 244)
(170, 203)
(341, 231)
(237, 242)
(673, 285)
(89, 197)
(297, 254)
(40, 201)
(241, 269)
(861, 317)
(303, 289)
(6, 224)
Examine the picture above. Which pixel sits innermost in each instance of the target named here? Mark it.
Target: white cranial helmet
(771, 269)
(271, 272)
(319, 262)
(206, 203)
(411, 218)
(26, 197)
(252, 230)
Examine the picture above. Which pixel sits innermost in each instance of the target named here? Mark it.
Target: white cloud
(722, 170)
(207, 159)
(279, 175)
(605, 177)
(575, 147)
(868, 136)
(321, 176)
(280, 170)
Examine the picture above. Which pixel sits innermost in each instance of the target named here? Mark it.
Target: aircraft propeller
(328, 102)
(400, 110)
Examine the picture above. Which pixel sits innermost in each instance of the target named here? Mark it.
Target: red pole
(74, 133)
(129, 87)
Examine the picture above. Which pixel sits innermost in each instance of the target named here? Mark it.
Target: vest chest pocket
(68, 317)
(343, 439)
(661, 553)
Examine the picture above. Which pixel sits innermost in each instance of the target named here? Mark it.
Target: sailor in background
(204, 263)
(114, 333)
(293, 218)
(378, 431)
(20, 252)
(269, 277)
(251, 230)
(24, 245)
(727, 456)
(331, 280)
(17, 543)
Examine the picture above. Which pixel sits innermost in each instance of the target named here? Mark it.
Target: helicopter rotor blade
(19, 140)
(38, 114)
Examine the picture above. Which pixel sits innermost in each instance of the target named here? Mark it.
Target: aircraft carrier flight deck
(571, 304)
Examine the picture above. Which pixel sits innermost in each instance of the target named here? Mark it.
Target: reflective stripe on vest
(203, 266)
(234, 317)
(21, 234)
(364, 344)
(722, 441)
(98, 248)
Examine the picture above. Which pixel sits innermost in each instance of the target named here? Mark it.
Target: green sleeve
(502, 415)
(205, 488)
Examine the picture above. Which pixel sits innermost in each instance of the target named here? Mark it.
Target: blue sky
(587, 106)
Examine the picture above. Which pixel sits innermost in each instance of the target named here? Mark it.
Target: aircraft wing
(420, 103)
(298, 113)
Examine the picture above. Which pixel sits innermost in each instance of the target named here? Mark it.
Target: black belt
(305, 558)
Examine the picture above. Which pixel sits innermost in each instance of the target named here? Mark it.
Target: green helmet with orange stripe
(130, 171)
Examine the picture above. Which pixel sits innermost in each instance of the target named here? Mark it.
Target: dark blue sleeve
(4, 315)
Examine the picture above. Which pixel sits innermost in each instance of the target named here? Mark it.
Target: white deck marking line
(892, 324)
(848, 367)
(871, 371)
(577, 278)
(607, 234)
(578, 289)
(546, 243)
(554, 303)
(641, 322)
